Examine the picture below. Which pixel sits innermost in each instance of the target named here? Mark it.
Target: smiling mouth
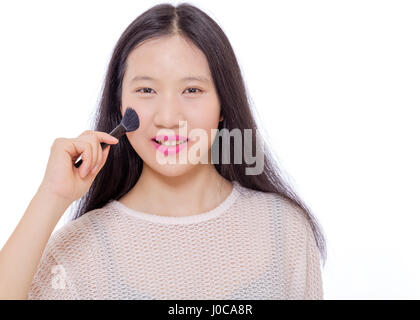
(170, 143)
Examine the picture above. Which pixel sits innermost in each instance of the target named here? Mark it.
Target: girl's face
(168, 83)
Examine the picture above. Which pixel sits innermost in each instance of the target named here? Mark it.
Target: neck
(199, 190)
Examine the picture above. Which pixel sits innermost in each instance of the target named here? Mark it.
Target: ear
(221, 118)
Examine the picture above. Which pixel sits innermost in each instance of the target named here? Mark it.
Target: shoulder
(279, 204)
(292, 215)
(255, 198)
(69, 253)
(288, 218)
(295, 226)
(76, 235)
(285, 213)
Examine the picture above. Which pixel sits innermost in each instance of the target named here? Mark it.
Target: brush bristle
(130, 120)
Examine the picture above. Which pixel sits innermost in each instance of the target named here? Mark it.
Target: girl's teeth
(171, 143)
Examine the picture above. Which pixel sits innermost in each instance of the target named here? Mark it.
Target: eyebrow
(189, 78)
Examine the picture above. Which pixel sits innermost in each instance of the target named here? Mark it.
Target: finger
(75, 148)
(106, 137)
(100, 164)
(100, 154)
(83, 148)
(86, 133)
(101, 137)
(95, 144)
(91, 138)
(96, 165)
(94, 138)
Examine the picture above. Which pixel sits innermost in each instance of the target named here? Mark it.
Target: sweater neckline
(195, 218)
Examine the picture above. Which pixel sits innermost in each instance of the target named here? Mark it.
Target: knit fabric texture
(254, 245)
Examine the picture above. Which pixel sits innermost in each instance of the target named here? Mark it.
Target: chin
(171, 170)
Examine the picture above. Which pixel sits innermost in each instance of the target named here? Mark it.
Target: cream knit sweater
(254, 245)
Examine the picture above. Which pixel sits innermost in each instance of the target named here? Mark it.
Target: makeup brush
(129, 122)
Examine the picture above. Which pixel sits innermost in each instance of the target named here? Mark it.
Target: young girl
(150, 230)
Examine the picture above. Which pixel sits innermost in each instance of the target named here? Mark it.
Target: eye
(139, 90)
(195, 89)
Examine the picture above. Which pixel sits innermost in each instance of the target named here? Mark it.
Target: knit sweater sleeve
(301, 266)
(51, 281)
(313, 287)
(46, 281)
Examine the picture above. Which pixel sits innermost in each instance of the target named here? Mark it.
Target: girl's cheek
(145, 115)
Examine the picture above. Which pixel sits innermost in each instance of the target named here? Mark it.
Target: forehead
(169, 57)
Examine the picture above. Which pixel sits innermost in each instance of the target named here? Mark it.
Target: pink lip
(172, 149)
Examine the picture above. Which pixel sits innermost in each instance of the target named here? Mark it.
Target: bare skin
(164, 103)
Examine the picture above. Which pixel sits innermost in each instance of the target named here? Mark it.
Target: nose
(168, 115)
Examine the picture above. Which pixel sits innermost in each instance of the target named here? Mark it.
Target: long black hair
(124, 166)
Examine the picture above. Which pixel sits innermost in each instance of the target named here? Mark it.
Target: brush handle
(116, 133)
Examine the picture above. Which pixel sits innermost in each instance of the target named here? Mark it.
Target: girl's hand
(62, 179)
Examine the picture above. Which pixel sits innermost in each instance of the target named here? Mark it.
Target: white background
(335, 85)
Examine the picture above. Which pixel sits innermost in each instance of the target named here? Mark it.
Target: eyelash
(199, 90)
